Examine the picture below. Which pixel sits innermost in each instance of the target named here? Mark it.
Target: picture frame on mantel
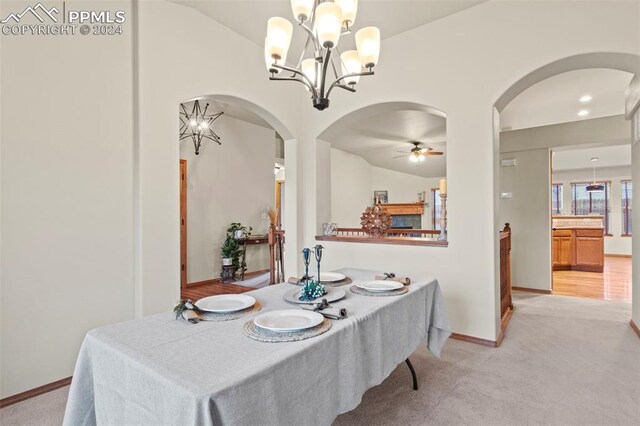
(380, 197)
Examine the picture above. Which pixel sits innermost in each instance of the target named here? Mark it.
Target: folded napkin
(294, 280)
(331, 313)
(393, 277)
(191, 316)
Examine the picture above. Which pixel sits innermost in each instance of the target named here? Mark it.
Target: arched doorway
(591, 61)
(229, 182)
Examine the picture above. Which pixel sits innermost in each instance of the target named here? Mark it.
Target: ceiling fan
(417, 154)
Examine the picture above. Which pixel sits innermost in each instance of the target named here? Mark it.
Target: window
(626, 207)
(556, 198)
(584, 203)
(436, 209)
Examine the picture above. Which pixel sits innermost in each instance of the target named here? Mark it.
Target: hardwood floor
(612, 284)
(196, 292)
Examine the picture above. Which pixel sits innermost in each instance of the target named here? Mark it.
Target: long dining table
(161, 371)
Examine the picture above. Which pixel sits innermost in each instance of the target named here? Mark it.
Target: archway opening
(232, 195)
(574, 108)
(392, 154)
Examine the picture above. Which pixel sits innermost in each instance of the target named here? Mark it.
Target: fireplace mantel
(396, 209)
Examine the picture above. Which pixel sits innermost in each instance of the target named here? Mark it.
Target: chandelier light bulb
(204, 125)
(309, 69)
(414, 158)
(368, 43)
(193, 123)
(268, 60)
(302, 9)
(351, 65)
(328, 24)
(279, 32)
(349, 11)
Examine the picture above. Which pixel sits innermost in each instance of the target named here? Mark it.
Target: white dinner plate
(288, 320)
(330, 277)
(380, 285)
(225, 303)
(333, 294)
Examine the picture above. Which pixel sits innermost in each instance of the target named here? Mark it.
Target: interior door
(183, 223)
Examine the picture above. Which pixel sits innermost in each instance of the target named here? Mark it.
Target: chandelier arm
(311, 34)
(333, 63)
(212, 139)
(306, 45)
(301, 74)
(324, 74)
(290, 79)
(337, 82)
(347, 88)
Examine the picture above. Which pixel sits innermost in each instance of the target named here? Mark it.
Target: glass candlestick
(306, 256)
(318, 254)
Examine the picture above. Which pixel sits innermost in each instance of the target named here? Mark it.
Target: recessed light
(583, 113)
(586, 98)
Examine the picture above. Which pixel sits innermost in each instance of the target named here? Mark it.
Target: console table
(250, 241)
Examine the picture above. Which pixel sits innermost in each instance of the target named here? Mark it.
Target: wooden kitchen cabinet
(562, 249)
(578, 249)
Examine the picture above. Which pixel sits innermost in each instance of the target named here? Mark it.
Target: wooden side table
(252, 240)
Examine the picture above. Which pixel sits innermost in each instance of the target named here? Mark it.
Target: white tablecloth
(157, 371)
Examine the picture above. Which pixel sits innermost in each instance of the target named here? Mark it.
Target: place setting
(334, 279)
(224, 307)
(384, 285)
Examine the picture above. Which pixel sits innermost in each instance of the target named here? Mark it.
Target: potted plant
(237, 230)
(231, 249)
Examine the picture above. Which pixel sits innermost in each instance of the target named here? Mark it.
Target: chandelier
(197, 125)
(324, 23)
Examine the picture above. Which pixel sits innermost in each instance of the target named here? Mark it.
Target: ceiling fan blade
(433, 153)
(399, 156)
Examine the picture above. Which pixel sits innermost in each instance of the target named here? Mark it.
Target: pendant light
(595, 187)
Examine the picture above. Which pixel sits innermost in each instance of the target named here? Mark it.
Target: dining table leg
(413, 374)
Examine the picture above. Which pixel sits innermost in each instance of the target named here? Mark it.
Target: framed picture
(381, 197)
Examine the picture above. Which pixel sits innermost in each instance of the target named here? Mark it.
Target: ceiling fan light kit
(324, 22)
(418, 155)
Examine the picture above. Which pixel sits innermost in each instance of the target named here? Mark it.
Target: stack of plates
(378, 286)
(288, 320)
(225, 303)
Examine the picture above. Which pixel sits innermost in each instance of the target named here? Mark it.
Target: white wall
(404, 188)
(614, 244)
(351, 184)
(67, 260)
(353, 181)
(166, 32)
(495, 43)
(528, 212)
(232, 182)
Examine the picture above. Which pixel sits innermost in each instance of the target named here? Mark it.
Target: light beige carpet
(564, 361)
